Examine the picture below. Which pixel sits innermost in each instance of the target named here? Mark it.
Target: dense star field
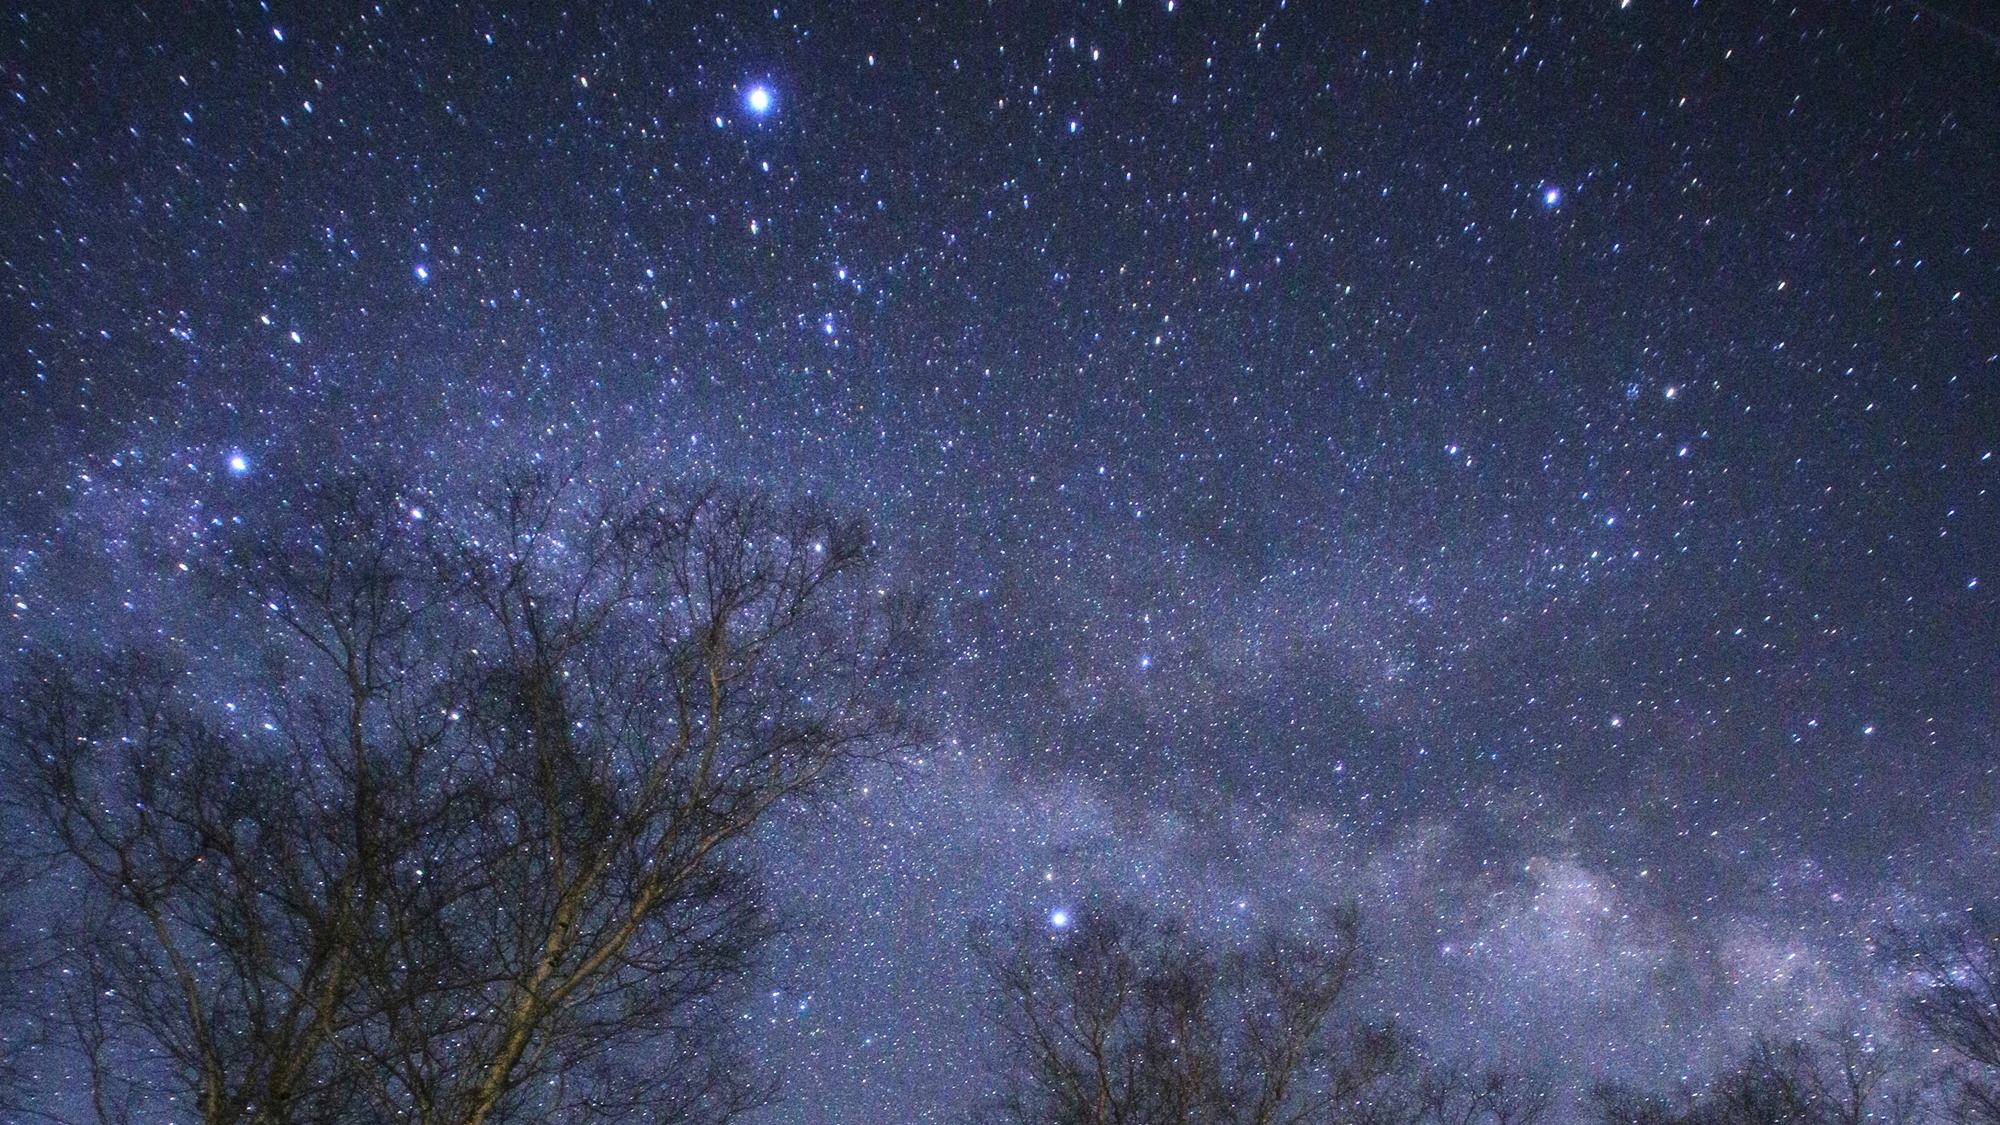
(1530, 468)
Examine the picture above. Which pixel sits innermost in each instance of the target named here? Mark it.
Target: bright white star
(760, 100)
(1059, 919)
(238, 464)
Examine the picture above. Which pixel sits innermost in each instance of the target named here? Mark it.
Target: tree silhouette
(1840, 1077)
(1956, 1005)
(467, 845)
(1124, 1018)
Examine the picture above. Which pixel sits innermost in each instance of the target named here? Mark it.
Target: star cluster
(1529, 467)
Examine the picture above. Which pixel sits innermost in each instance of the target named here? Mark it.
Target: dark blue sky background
(1529, 466)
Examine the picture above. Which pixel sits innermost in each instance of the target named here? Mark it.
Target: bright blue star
(423, 273)
(1552, 196)
(1059, 919)
(238, 464)
(760, 100)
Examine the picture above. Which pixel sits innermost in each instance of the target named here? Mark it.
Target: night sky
(1528, 467)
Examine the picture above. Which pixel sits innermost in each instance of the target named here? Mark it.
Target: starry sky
(1528, 467)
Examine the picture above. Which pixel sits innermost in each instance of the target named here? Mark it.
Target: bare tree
(1445, 1095)
(210, 957)
(466, 845)
(1124, 1019)
(1840, 1077)
(1379, 1078)
(22, 1034)
(1775, 1084)
(1956, 1005)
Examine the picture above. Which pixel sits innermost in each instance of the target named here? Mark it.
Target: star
(1059, 919)
(760, 100)
(1552, 196)
(238, 464)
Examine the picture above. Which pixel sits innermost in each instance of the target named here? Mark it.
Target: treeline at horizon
(472, 845)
